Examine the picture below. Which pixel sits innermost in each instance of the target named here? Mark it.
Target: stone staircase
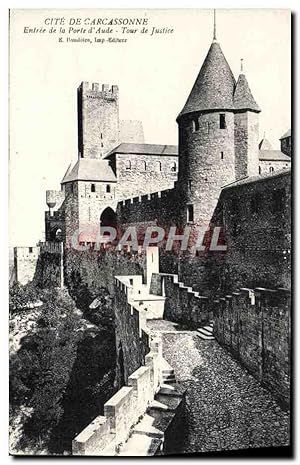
(167, 373)
(206, 332)
(148, 435)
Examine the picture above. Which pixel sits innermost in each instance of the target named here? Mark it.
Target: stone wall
(131, 344)
(148, 173)
(25, 261)
(254, 325)
(96, 269)
(268, 166)
(106, 433)
(286, 145)
(246, 132)
(55, 226)
(206, 163)
(98, 119)
(183, 305)
(256, 216)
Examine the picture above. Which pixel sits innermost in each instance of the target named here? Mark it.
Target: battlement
(29, 253)
(51, 247)
(145, 198)
(254, 325)
(92, 90)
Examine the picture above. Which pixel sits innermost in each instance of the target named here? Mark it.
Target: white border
(5, 5)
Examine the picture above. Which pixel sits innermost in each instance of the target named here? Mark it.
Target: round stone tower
(206, 139)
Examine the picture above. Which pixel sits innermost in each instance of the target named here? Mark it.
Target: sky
(154, 73)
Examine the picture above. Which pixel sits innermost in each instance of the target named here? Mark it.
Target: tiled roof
(258, 178)
(286, 134)
(214, 86)
(145, 149)
(274, 155)
(243, 98)
(86, 169)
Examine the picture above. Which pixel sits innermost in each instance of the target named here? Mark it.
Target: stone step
(167, 378)
(207, 338)
(208, 328)
(204, 331)
(169, 390)
(145, 426)
(170, 381)
(169, 371)
(156, 405)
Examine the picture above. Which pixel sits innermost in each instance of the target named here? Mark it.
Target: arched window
(128, 165)
(196, 124)
(271, 169)
(174, 166)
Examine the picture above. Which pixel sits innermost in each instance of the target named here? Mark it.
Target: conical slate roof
(214, 86)
(243, 98)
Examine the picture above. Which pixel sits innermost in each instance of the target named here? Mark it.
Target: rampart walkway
(226, 407)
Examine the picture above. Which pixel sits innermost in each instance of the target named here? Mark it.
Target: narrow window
(271, 169)
(128, 165)
(101, 144)
(93, 188)
(259, 170)
(101, 136)
(108, 188)
(158, 166)
(196, 124)
(222, 121)
(190, 184)
(131, 281)
(144, 166)
(30, 249)
(222, 155)
(190, 213)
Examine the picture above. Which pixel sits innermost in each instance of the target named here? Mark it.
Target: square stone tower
(98, 119)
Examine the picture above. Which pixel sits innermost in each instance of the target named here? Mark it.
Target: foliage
(20, 296)
(62, 372)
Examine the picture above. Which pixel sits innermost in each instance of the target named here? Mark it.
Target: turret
(246, 129)
(206, 138)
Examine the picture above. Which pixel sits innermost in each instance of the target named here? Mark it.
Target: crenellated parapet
(183, 304)
(254, 324)
(103, 91)
(157, 207)
(131, 413)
